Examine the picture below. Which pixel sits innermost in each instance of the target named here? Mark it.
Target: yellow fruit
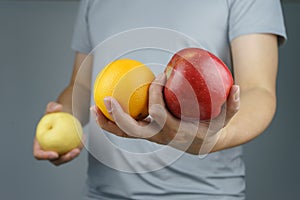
(128, 82)
(59, 132)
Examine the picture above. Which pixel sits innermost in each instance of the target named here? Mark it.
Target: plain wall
(35, 60)
(36, 63)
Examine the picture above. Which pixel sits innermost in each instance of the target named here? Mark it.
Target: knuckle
(37, 156)
(75, 155)
(49, 105)
(156, 112)
(100, 123)
(234, 109)
(152, 88)
(48, 110)
(154, 116)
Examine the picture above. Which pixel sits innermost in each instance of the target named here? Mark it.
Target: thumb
(53, 107)
(115, 109)
(233, 102)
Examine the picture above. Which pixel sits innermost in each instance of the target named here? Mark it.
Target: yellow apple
(59, 132)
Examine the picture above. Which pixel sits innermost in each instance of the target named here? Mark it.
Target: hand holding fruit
(198, 87)
(48, 143)
(163, 126)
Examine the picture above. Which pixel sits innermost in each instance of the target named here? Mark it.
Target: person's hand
(163, 128)
(52, 156)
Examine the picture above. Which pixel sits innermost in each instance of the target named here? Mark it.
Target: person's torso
(151, 31)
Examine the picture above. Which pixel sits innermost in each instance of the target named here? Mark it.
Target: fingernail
(237, 93)
(107, 102)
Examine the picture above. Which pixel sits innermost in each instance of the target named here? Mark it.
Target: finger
(233, 102)
(228, 110)
(105, 123)
(40, 154)
(53, 107)
(156, 90)
(157, 108)
(122, 119)
(66, 157)
(158, 114)
(156, 100)
(133, 128)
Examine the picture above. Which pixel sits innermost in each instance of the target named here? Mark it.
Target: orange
(128, 82)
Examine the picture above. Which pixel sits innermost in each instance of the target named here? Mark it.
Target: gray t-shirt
(148, 30)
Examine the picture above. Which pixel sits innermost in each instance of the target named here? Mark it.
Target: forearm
(257, 108)
(76, 100)
(65, 99)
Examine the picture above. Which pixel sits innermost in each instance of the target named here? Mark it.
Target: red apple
(198, 84)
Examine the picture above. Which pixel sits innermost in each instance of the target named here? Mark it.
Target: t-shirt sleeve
(256, 16)
(81, 41)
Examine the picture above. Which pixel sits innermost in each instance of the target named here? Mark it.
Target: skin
(64, 103)
(255, 60)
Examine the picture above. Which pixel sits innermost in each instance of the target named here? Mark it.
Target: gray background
(35, 59)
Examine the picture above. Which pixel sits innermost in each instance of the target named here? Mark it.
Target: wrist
(220, 140)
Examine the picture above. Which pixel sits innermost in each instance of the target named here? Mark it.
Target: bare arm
(77, 94)
(80, 80)
(255, 60)
(248, 112)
